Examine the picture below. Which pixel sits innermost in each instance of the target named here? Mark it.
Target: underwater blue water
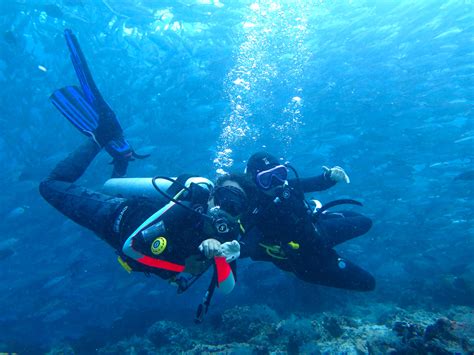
(384, 89)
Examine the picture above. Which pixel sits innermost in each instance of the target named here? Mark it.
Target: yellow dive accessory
(158, 246)
(242, 229)
(294, 245)
(275, 251)
(124, 264)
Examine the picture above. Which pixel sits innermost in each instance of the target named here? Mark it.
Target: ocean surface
(384, 89)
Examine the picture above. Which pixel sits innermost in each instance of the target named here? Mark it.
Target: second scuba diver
(298, 235)
(197, 225)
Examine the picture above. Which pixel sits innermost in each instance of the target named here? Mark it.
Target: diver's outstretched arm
(329, 178)
(315, 183)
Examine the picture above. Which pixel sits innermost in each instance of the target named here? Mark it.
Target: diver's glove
(210, 248)
(230, 250)
(336, 174)
(122, 153)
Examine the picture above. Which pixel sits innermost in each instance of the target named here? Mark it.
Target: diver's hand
(210, 248)
(336, 174)
(230, 250)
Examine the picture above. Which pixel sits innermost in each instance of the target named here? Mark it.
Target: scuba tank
(137, 187)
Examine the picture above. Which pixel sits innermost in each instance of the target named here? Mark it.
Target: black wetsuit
(114, 219)
(281, 230)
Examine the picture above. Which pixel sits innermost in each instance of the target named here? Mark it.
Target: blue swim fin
(108, 126)
(72, 104)
(86, 109)
(83, 73)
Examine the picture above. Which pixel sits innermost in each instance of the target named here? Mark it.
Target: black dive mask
(230, 199)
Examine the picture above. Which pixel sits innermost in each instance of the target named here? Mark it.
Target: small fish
(17, 212)
(467, 175)
(464, 139)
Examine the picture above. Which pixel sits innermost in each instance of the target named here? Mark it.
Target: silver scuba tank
(136, 187)
(143, 187)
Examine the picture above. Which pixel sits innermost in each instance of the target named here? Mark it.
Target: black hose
(331, 204)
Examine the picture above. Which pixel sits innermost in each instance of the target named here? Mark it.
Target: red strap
(223, 268)
(161, 264)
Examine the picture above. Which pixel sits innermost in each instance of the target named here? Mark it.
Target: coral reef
(166, 334)
(131, 346)
(258, 329)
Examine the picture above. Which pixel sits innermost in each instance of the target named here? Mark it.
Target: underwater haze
(384, 89)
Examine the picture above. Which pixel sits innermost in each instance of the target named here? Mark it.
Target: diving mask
(270, 178)
(230, 199)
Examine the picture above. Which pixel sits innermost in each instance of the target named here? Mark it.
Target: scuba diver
(193, 226)
(296, 235)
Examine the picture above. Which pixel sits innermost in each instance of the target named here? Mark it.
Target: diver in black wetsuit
(169, 243)
(296, 236)
(160, 238)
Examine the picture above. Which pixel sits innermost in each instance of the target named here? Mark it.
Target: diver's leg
(91, 209)
(335, 228)
(329, 269)
(75, 164)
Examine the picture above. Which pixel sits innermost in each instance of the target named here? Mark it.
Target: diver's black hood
(260, 161)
